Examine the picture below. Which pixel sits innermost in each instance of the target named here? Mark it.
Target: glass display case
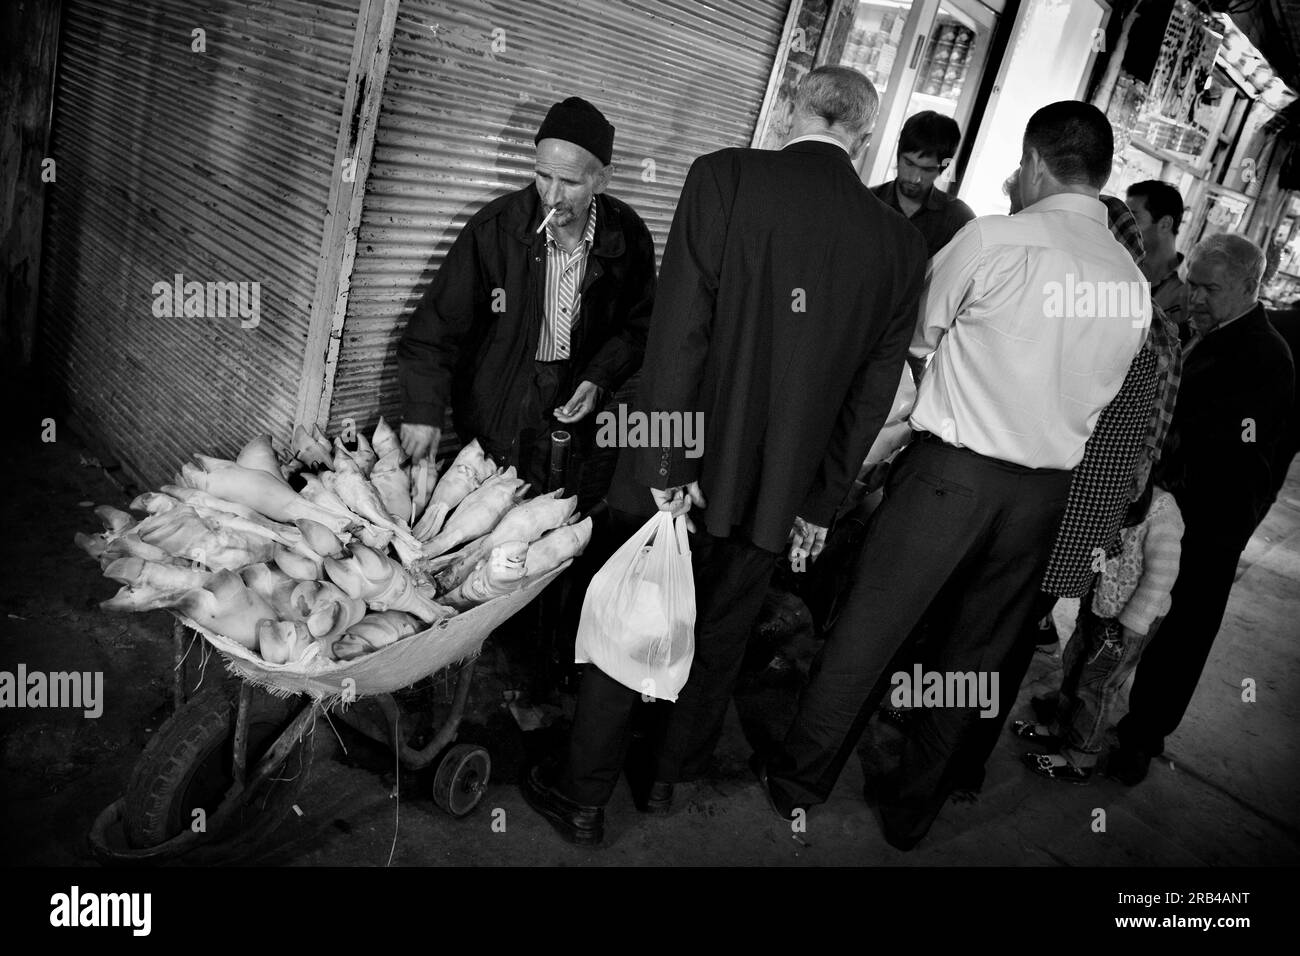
(921, 55)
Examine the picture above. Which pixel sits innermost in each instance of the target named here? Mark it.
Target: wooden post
(376, 23)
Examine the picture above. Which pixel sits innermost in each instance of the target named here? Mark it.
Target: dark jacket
(939, 219)
(1233, 405)
(788, 295)
(472, 339)
(1287, 323)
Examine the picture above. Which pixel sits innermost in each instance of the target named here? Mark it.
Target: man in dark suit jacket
(1233, 404)
(1287, 323)
(786, 300)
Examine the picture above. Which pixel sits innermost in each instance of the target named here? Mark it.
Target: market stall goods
(384, 440)
(372, 632)
(555, 547)
(478, 512)
(498, 574)
(526, 521)
(468, 470)
(305, 577)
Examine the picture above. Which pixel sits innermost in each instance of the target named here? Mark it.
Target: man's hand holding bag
(638, 618)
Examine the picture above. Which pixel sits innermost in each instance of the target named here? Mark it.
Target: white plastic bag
(638, 618)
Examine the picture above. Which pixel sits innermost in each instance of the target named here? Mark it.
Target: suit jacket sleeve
(427, 353)
(678, 346)
(621, 355)
(869, 399)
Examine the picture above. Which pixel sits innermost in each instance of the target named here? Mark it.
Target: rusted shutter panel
(467, 86)
(212, 165)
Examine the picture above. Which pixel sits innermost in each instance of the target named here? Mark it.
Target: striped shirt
(564, 274)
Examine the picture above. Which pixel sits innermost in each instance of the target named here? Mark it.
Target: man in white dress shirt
(1030, 323)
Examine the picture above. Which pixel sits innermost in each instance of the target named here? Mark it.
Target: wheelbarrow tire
(462, 779)
(188, 762)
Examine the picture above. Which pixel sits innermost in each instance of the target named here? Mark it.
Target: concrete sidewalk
(1224, 795)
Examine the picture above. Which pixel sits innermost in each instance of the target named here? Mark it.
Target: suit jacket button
(664, 472)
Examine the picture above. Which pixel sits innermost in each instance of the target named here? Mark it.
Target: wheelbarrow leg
(178, 666)
(417, 759)
(240, 755)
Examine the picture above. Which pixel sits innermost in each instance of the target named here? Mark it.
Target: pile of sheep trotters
(335, 552)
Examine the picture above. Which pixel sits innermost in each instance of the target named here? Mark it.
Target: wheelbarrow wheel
(462, 779)
(188, 766)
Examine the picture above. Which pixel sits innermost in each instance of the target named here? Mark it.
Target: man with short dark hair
(1236, 396)
(1015, 384)
(524, 328)
(1158, 209)
(773, 326)
(925, 149)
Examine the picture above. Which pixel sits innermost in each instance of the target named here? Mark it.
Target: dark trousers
(731, 578)
(1172, 662)
(968, 774)
(953, 522)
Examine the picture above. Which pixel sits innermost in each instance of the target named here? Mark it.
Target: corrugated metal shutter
(677, 78)
(215, 165)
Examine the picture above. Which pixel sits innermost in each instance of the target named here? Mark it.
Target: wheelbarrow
(226, 768)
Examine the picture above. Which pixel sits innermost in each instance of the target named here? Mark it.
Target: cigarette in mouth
(546, 220)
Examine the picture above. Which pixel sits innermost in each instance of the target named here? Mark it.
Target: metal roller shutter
(214, 165)
(677, 78)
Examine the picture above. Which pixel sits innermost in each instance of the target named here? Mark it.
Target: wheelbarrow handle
(558, 476)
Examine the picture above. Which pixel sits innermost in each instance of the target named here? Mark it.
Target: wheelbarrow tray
(384, 671)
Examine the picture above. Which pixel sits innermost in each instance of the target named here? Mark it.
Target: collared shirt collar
(1088, 206)
(588, 234)
(817, 138)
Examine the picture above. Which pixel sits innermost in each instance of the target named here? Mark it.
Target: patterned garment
(1124, 227)
(1134, 586)
(1099, 488)
(564, 274)
(1163, 340)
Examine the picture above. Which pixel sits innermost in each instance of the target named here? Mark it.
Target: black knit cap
(577, 121)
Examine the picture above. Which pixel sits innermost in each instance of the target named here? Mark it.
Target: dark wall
(28, 41)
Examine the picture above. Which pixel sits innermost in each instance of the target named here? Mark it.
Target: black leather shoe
(757, 765)
(1025, 730)
(1128, 766)
(580, 825)
(660, 801)
(1042, 765)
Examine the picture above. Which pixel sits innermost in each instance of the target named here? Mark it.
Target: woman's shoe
(1046, 765)
(1028, 730)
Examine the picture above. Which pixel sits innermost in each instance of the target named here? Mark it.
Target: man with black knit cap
(538, 312)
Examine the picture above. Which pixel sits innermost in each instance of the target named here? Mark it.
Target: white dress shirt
(1033, 320)
(817, 138)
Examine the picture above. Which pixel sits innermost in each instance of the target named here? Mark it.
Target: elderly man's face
(1215, 294)
(567, 176)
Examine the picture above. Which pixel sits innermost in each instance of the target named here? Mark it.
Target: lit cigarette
(546, 220)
